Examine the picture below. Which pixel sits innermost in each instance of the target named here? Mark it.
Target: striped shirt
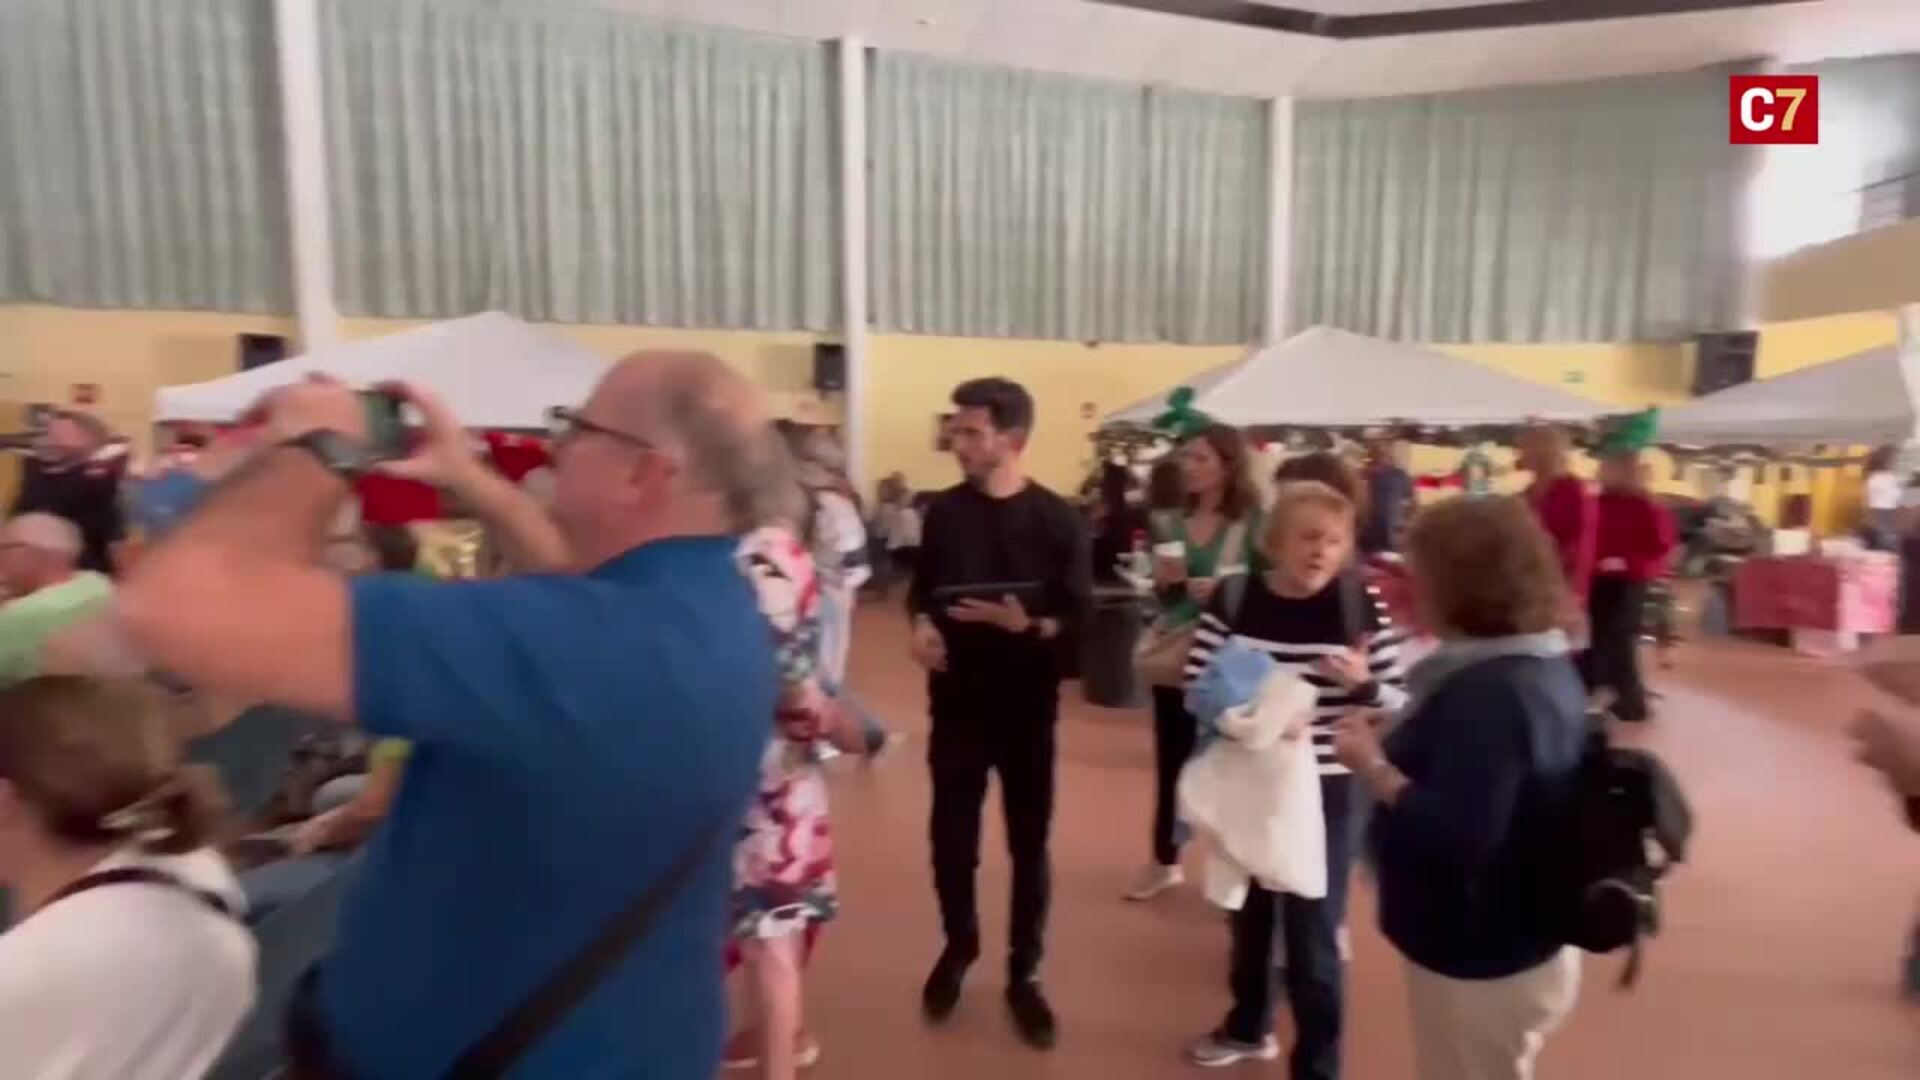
(1299, 634)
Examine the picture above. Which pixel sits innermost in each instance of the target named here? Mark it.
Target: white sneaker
(1154, 880)
(1217, 1051)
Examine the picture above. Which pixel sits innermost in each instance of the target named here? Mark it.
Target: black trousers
(1615, 611)
(1174, 733)
(1314, 974)
(993, 726)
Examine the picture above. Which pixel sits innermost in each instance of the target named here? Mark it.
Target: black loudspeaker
(259, 350)
(1723, 360)
(829, 367)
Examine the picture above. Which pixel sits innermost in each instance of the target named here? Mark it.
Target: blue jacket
(1490, 741)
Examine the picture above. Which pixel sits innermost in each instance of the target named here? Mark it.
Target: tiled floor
(1778, 964)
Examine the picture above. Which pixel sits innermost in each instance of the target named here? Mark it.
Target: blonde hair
(1292, 497)
(100, 766)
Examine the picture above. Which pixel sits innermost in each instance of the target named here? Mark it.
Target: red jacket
(1566, 507)
(1635, 537)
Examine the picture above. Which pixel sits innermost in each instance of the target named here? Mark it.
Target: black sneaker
(941, 995)
(1032, 1015)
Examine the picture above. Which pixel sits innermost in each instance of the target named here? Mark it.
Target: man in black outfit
(993, 658)
(67, 478)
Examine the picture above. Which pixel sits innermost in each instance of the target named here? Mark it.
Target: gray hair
(46, 532)
(729, 450)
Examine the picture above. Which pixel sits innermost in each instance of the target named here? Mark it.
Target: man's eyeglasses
(564, 423)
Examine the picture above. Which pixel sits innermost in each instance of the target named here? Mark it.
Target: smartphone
(386, 429)
(1028, 593)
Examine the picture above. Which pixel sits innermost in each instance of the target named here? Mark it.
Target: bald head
(715, 455)
(37, 550)
(655, 390)
(44, 533)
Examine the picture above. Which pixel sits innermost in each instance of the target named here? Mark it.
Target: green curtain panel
(140, 141)
(576, 165)
(1601, 211)
(1008, 203)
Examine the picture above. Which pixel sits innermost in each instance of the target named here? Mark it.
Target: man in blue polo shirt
(576, 733)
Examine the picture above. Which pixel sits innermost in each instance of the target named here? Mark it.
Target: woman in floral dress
(784, 885)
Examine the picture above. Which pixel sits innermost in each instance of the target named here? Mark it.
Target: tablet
(1028, 592)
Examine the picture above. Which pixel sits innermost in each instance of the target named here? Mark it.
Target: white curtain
(139, 146)
(1015, 204)
(1605, 211)
(577, 165)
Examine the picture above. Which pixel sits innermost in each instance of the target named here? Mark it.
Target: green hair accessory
(1181, 421)
(1630, 434)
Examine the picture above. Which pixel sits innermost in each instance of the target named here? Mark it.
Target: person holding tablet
(1005, 571)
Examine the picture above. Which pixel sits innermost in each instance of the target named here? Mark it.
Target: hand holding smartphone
(386, 427)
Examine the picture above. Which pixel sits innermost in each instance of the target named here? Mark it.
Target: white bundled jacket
(1254, 795)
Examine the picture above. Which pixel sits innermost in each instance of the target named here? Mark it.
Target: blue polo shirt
(572, 735)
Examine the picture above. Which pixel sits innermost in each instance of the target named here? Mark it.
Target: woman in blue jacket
(1468, 787)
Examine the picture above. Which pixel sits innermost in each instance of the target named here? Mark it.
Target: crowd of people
(717, 556)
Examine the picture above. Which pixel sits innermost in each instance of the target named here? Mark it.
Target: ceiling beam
(1506, 15)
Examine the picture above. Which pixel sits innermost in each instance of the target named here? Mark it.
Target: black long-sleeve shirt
(972, 538)
(87, 494)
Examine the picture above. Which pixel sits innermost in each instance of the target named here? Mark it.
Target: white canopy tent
(1333, 378)
(1866, 398)
(493, 370)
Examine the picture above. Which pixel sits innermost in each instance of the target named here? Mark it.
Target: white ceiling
(1084, 38)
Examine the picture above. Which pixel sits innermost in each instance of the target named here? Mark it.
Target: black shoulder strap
(143, 875)
(1233, 590)
(566, 988)
(1354, 599)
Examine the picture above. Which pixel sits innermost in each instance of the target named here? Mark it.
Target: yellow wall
(780, 362)
(1637, 376)
(1879, 268)
(1790, 346)
(909, 379)
(45, 350)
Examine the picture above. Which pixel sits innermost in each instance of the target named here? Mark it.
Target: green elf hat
(1630, 434)
(1181, 421)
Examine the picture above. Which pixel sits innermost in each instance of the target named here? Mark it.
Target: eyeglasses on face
(564, 424)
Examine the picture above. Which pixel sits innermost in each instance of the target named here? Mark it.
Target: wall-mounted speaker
(1724, 359)
(829, 367)
(259, 350)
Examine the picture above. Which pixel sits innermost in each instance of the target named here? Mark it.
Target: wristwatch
(341, 455)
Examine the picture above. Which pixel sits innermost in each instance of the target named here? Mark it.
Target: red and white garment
(784, 880)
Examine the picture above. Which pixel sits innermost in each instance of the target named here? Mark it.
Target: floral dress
(783, 878)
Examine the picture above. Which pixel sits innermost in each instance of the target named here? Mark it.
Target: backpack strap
(1353, 604)
(1233, 590)
(542, 1010)
(143, 875)
(1233, 548)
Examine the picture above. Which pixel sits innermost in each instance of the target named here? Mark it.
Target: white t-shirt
(129, 981)
(902, 525)
(1883, 490)
(842, 535)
